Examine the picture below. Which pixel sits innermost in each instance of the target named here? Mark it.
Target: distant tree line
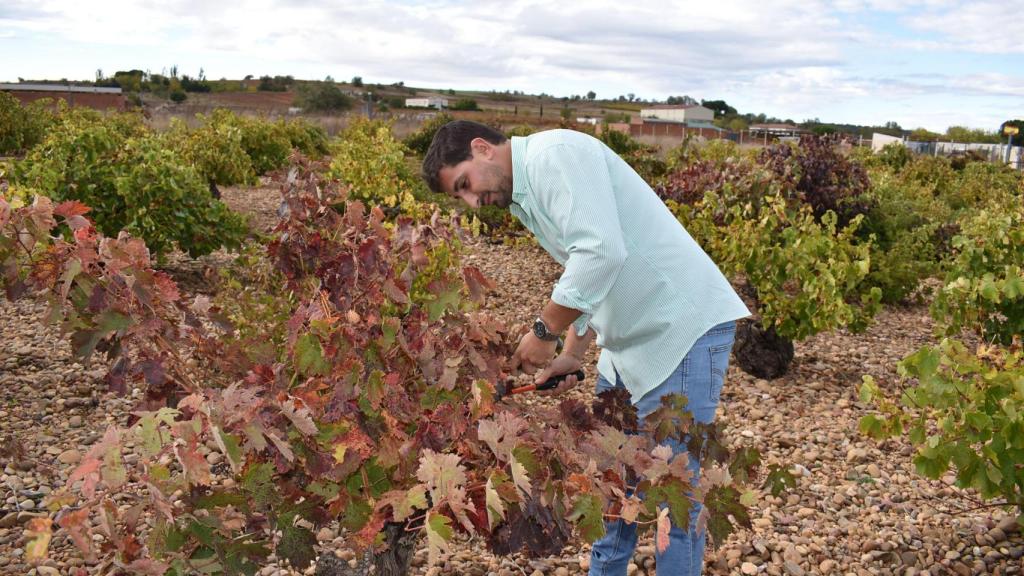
(326, 96)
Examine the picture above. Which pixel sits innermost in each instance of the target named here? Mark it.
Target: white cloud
(978, 26)
(795, 58)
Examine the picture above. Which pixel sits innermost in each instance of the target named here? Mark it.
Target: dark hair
(451, 146)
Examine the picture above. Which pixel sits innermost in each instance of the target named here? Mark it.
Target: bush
(213, 149)
(306, 137)
(268, 144)
(805, 274)
(168, 204)
(367, 157)
(620, 142)
(734, 180)
(521, 130)
(818, 174)
(981, 183)
(903, 226)
(131, 180)
(898, 269)
(322, 97)
(895, 156)
(22, 127)
(275, 84)
(961, 409)
(466, 104)
(984, 284)
(178, 96)
(419, 141)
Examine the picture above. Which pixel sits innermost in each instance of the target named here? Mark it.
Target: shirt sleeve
(575, 193)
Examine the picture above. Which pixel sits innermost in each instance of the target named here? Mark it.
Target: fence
(1011, 155)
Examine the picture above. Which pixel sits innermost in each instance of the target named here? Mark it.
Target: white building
(681, 113)
(434, 102)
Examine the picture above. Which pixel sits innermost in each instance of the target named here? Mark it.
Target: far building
(777, 130)
(433, 102)
(99, 98)
(681, 113)
(676, 121)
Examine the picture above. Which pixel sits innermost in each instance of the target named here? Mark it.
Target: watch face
(539, 329)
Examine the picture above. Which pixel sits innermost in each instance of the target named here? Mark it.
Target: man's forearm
(577, 345)
(557, 317)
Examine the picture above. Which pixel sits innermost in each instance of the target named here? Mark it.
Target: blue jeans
(699, 377)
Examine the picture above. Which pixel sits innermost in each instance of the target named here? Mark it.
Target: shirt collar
(520, 184)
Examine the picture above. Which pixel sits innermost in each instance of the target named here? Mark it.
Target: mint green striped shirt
(642, 283)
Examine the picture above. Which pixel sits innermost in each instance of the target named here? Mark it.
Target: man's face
(479, 181)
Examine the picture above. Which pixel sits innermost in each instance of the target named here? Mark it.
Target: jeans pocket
(719, 361)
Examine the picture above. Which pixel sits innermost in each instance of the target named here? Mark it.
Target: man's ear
(481, 147)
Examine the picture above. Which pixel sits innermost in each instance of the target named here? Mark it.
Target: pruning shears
(503, 389)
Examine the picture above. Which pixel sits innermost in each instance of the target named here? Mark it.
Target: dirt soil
(859, 507)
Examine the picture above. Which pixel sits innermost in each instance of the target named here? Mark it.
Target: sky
(920, 63)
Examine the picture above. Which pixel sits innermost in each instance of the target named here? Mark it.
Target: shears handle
(548, 384)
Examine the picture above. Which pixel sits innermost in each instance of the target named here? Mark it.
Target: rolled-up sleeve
(577, 196)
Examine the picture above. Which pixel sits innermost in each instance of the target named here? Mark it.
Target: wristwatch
(540, 330)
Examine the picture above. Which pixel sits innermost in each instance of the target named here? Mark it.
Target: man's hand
(563, 364)
(532, 354)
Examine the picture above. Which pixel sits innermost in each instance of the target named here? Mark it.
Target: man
(661, 311)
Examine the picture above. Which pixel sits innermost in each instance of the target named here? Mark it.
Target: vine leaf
(297, 546)
(495, 507)
(439, 533)
(587, 513)
(664, 528)
(38, 532)
(779, 480)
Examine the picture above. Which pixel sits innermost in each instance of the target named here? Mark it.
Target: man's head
(472, 162)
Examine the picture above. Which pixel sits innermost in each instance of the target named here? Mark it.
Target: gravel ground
(859, 508)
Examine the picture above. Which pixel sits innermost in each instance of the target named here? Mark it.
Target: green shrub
(22, 127)
(367, 157)
(899, 269)
(322, 97)
(467, 104)
(168, 204)
(933, 172)
(961, 409)
(521, 130)
(903, 226)
(266, 143)
(620, 142)
(131, 180)
(808, 276)
(419, 141)
(214, 149)
(984, 284)
(79, 159)
(895, 156)
(805, 275)
(306, 137)
(980, 183)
